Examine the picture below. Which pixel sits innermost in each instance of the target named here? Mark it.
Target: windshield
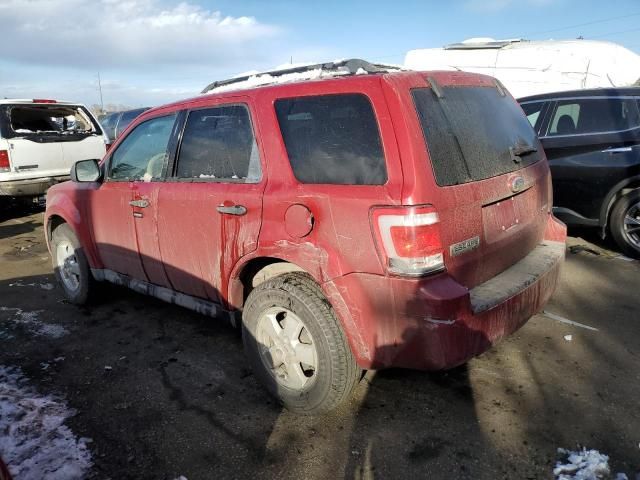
(473, 133)
(56, 121)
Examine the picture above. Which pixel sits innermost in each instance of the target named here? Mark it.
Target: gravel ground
(156, 391)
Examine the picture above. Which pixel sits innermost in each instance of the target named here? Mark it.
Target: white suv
(40, 140)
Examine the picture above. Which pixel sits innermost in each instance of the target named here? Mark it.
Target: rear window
(474, 133)
(332, 139)
(45, 123)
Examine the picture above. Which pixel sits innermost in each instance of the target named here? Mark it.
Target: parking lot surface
(159, 392)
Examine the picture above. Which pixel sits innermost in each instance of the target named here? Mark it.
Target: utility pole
(100, 89)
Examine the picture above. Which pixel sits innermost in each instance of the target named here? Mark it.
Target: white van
(40, 140)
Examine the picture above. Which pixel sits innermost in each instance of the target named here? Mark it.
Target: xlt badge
(464, 246)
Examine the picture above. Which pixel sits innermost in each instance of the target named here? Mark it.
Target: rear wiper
(519, 151)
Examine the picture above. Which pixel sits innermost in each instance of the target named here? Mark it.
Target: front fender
(61, 208)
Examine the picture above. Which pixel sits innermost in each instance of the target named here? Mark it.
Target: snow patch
(43, 286)
(583, 465)
(34, 441)
(267, 79)
(33, 324)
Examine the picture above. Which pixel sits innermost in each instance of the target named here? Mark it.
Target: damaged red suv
(349, 216)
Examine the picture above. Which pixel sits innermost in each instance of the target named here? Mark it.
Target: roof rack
(351, 66)
(482, 45)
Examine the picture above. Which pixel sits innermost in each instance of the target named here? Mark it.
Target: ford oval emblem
(517, 184)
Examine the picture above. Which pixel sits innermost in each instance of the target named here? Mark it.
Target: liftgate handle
(232, 210)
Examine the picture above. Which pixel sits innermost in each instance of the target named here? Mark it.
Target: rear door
(589, 144)
(489, 181)
(210, 211)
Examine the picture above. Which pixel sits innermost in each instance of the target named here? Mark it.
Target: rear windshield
(47, 123)
(473, 133)
(332, 139)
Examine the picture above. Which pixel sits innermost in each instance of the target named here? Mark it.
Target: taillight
(43, 100)
(409, 239)
(4, 161)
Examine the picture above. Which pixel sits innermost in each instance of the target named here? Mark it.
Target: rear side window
(473, 133)
(594, 115)
(218, 143)
(332, 139)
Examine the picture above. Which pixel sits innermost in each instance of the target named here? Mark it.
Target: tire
(70, 265)
(280, 306)
(622, 223)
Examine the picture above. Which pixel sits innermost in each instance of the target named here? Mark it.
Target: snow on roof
(297, 73)
(260, 79)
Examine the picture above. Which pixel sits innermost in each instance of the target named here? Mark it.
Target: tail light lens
(409, 239)
(4, 161)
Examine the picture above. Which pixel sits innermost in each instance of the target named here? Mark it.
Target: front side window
(142, 155)
(218, 144)
(332, 139)
(594, 115)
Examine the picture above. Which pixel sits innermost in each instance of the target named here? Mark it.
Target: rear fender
(316, 262)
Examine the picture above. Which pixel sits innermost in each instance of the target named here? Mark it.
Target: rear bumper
(30, 187)
(435, 323)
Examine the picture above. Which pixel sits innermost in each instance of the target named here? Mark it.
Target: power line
(614, 33)
(594, 22)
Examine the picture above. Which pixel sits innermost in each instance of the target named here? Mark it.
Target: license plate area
(500, 218)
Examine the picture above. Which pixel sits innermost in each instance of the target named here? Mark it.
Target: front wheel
(70, 265)
(625, 223)
(296, 346)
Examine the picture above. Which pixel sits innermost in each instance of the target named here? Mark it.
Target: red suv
(362, 219)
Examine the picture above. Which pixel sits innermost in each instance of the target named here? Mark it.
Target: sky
(150, 52)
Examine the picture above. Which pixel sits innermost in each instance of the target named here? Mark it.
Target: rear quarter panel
(341, 240)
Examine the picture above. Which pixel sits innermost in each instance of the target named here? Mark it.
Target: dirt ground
(179, 398)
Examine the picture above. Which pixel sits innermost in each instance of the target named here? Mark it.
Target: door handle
(617, 150)
(232, 210)
(139, 203)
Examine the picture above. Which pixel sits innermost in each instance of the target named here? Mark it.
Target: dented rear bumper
(435, 323)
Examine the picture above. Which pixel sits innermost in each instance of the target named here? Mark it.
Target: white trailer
(533, 67)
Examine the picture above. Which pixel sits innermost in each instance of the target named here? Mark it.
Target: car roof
(32, 101)
(589, 92)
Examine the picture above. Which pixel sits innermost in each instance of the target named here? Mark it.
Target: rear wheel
(70, 265)
(296, 346)
(625, 223)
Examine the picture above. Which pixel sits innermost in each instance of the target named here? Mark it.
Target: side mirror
(86, 171)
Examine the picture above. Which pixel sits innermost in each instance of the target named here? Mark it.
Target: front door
(122, 220)
(211, 209)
